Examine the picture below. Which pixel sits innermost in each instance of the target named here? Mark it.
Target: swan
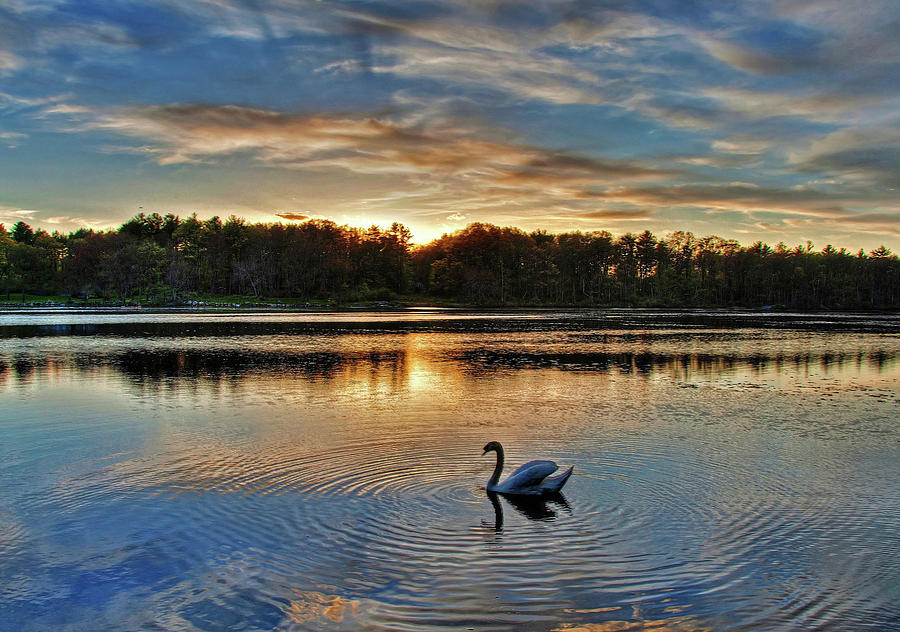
(531, 479)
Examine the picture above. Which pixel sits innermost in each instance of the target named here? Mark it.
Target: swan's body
(532, 478)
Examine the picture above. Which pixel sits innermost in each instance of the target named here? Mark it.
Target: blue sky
(773, 121)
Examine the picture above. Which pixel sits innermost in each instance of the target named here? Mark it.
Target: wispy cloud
(9, 215)
(618, 214)
(11, 101)
(297, 217)
(798, 205)
(554, 111)
(9, 63)
(863, 155)
(189, 133)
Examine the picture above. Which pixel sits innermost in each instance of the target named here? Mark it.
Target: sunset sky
(773, 121)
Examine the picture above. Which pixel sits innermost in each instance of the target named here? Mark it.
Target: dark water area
(277, 471)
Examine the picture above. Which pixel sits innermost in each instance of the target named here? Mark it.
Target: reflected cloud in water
(310, 606)
(674, 624)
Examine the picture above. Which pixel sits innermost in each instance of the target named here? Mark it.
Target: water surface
(273, 471)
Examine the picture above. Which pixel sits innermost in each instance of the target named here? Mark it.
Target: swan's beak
(483, 453)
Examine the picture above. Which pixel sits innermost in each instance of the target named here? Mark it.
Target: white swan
(532, 479)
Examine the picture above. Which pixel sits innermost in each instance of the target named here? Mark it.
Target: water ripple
(410, 512)
(297, 481)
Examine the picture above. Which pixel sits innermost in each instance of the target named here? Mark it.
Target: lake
(323, 471)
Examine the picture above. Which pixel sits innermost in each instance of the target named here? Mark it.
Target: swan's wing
(553, 484)
(550, 465)
(530, 474)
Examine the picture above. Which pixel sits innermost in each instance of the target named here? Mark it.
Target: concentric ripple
(298, 479)
(408, 514)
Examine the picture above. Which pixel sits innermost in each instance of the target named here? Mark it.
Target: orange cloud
(444, 152)
(814, 206)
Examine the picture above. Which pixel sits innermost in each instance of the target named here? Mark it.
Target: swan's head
(493, 446)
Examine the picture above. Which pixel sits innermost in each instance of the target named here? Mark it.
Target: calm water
(197, 471)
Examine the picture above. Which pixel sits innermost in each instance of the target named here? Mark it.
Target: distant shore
(293, 305)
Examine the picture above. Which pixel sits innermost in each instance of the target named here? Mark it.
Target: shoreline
(387, 307)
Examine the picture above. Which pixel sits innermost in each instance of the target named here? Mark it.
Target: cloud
(879, 164)
(195, 133)
(742, 144)
(850, 223)
(741, 57)
(344, 66)
(853, 37)
(768, 226)
(525, 75)
(9, 63)
(431, 166)
(864, 154)
(794, 206)
(737, 195)
(293, 216)
(192, 133)
(11, 102)
(474, 46)
(68, 220)
(617, 214)
(826, 107)
(484, 108)
(787, 56)
(32, 33)
(681, 110)
(9, 215)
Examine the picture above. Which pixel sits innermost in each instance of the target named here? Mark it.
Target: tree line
(167, 259)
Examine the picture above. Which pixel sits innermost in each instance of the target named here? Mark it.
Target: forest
(168, 260)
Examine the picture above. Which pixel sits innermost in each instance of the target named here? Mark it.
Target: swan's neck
(495, 477)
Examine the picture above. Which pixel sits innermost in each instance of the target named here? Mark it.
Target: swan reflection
(539, 508)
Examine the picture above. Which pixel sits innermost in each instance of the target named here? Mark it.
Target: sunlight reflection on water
(297, 472)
